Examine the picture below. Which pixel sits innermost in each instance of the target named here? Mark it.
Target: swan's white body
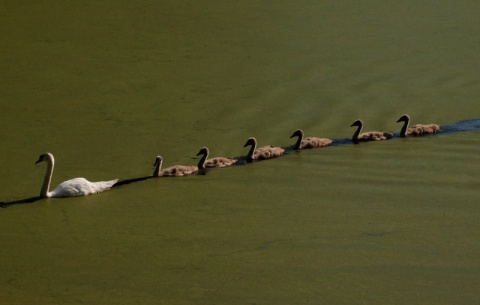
(80, 187)
(70, 188)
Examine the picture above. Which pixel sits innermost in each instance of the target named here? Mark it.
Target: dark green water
(107, 87)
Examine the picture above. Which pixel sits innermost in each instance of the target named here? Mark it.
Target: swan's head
(158, 160)
(203, 151)
(357, 123)
(251, 141)
(404, 118)
(45, 157)
(297, 133)
(157, 166)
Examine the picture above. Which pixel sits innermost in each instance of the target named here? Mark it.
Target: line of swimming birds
(82, 187)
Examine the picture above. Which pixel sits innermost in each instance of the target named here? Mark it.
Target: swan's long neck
(251, 151)
(158, 166)
(356, 134)
(403, 132)
(48, 177)
(201, 163)
(299, 142)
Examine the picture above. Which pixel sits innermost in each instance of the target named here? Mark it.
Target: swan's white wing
(80, 187)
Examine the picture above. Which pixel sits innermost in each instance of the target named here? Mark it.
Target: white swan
(72, 187)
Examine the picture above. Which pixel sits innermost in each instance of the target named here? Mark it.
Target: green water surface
(106, 86)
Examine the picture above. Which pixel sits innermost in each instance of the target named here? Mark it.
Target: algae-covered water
(107, 86)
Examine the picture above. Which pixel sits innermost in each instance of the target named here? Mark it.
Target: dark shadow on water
(340, 142)
(130, 181)
(461, 126)
(21, 201)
